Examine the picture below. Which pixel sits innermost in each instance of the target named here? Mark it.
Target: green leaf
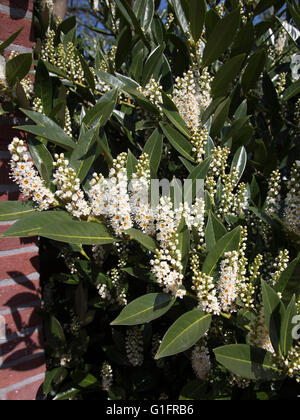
(57, 331)
(221, 37)
(151, 63)
(142, 238)
(180, 143)
(131, 165)
(197, 174)
(124, 41)
(89, 77)
(55, 375)
(83, 156)
(128, 13)
(12, 210)
(220, 117)
(17, 68)
(286, 338)
(171, 112)
(274, 314)
(291, 91)
(31, 224)
(184, 333)
(184, 243)
(244, 40)
(193, 391)
(215, 230)
(226, 75)
(103, 109)
(294, 13)
(66, 395)
(248, 362)
(42, 159)
(145, 309)
(47, 129)
(254, 69)
(153, 148)
(9, 41)
(229, 242)
(43, 87)
(197, 14)
(179, 12)
(148, 15)
(285, 277)
(77, 232)
(239, 162)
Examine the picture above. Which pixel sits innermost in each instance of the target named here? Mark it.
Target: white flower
(201, 362)
(228, 282)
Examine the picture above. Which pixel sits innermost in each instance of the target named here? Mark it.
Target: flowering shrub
(161, 160)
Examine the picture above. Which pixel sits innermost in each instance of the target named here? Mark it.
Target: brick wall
(21, 354)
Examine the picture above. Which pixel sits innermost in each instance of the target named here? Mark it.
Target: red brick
(26, 5)
(21, 347)
(11, 266)
(9, 26)
(26, 393)
(19, 294)
(14, 243)
(19, 320)
(21, 372)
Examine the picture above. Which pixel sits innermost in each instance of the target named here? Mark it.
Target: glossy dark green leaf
(244, 40)
(184, 243)
(103, 109)
(148, 14)
(83, 156)
(178, 141)
(31, 224)
(220, 117)
(153, 148)
(142, 238)
(77, 232)
(291, 91)
(229, 242)
(239, 162)
(17, 68)
(254, 69)
(184, 333)
(42, 159)
(43, 87)
(274, 314)
(180, 15)
(197, 176)
(88, 75)
(131, 165)
(217, 44)
(197, 13)
(145, 309)
(286, 337)
(9, 40)
(124, 41)
(286, 276)
(13, 210)
(47, 129)
(171, 112)
(57, 331)
(225, 75)
(248, 362)
(151, 63)
(215, 230)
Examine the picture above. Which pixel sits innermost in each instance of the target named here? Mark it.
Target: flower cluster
(280, 265)
(68, 188)
(292, 201)
(27, 177)
(191, 95)
(139, 200)
(106, 376)
(201, 363)
(204, 287)
(153, 91)
(134, 346)
(228, 281)
(273, 200)
(291, 363)
(259, 335)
